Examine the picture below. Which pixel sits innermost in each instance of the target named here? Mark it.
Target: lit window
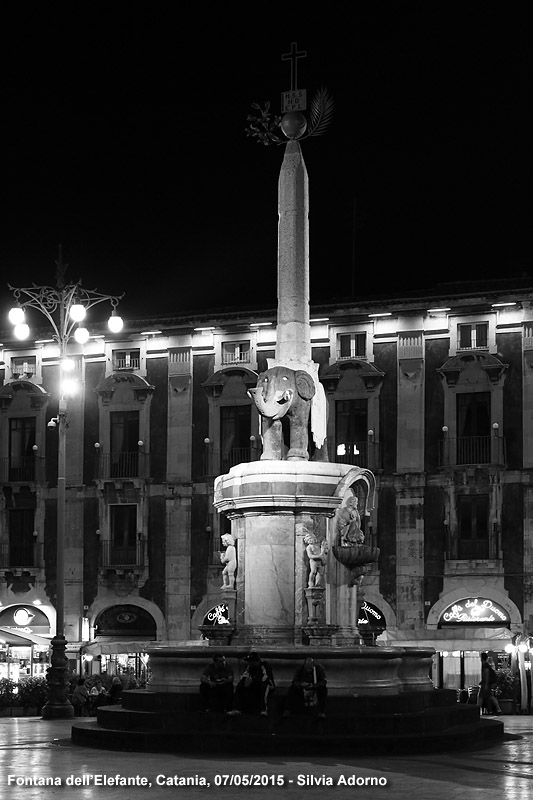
(236, 352)
(126, 359)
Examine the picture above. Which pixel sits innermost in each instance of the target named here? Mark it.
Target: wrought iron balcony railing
(22, 469)
(359, 454)
(123, 465)
(218, 462)
(20, 555)
(472, 451)
(112, 555)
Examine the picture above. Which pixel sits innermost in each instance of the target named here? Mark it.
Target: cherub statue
(317, 555)
(229, 559)
(349, 523)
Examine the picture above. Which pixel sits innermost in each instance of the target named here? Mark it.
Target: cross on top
(293, 57)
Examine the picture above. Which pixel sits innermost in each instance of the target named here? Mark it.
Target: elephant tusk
(285, 397)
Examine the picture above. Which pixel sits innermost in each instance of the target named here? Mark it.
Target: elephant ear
(304, 384)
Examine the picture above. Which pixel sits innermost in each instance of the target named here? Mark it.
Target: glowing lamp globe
(81, 335)
(16, 315)
(115, 323)
(293, 124)
(77, 312)
(22, 331)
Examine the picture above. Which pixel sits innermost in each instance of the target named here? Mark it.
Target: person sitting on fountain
(317, 555)
(216, 685)
(349, 523)
(308, 689)
(229, 559)
(255, 687)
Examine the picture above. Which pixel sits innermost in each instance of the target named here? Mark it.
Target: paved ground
(32, 749)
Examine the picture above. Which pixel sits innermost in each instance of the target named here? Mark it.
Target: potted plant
(506, 689)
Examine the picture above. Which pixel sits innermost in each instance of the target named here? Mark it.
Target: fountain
(292, 588)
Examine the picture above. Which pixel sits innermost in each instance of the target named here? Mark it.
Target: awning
(23, 639)
(450, 638)
(105, 646)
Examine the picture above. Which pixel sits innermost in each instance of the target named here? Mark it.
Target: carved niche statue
(317, 554)
(229, 559)
(349, 524)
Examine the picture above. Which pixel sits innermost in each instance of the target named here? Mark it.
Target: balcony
(219, 462)
(127, 362)
(122, 465)
(359, 454)
(121, 557)
(472, 451)
(236, 358)
(20, 555)
(23, 469)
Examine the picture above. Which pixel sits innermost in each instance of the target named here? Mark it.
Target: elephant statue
(284, 392)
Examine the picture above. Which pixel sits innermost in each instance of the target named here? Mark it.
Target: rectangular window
(126, 359)
(21, 453)
(123, 550)
(473, 526)
(351, 431)
(235, 430)
(235, 352)
(351, 345)
(23, 367)
(124, 444)
(473, 336)
(21, 539)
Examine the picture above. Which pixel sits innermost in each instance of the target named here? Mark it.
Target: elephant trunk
(272, 407)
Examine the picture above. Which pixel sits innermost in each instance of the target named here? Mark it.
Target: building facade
(434, 394)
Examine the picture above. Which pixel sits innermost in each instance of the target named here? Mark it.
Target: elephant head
(280, 389)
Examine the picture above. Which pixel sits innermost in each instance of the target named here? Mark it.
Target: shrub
(506, 684)
(33, 692)
(8, 695)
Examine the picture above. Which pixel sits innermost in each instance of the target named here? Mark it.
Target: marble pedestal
(272, 506)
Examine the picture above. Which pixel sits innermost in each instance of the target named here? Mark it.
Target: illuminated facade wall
(437, 403)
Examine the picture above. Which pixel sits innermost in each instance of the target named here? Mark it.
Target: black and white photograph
(266, 392)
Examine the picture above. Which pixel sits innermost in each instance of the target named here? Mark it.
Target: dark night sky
(123, 139)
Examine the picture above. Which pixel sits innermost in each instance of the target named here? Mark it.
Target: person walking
(485, 698)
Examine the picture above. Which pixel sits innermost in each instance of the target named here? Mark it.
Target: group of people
(256, 684)
(85, 701)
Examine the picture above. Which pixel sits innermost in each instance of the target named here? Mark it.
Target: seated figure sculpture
(349, 524)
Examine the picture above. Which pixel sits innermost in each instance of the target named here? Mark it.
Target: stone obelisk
(293, 329)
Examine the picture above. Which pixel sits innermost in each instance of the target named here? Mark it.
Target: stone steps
(404, 723)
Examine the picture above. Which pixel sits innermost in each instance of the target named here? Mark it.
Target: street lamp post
(64, 306)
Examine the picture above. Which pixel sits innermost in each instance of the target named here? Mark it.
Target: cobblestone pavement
(33, 750)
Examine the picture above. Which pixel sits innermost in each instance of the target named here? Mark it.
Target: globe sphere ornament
(293, 124)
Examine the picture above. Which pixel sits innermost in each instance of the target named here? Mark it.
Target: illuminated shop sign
(474, 611)
(370, 615)
(218, 615)
(25, 619)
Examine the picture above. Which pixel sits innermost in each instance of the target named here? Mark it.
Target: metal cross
(293, 57)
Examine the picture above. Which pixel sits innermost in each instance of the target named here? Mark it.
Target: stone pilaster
(410, 553)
